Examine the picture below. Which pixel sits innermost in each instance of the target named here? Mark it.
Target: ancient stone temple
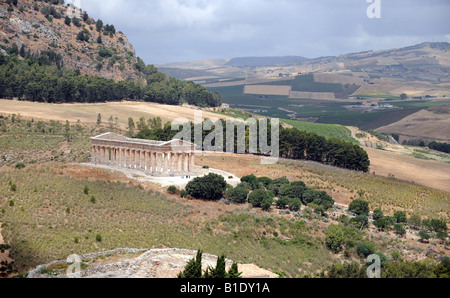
(153, 157)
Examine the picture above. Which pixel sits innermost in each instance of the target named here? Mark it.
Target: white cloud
(180, 30)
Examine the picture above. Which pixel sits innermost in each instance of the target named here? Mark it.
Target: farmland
(324, 111)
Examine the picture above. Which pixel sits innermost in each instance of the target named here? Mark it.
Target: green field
(327, 112)
(326, 130)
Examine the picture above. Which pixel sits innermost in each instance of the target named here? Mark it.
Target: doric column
(138, 159)
(149, 161)
(102, 155)
(120, 160)
(180, 162)
(165, 162)
(158, 162)
(190, 162)
(171, 162)
(127, 158)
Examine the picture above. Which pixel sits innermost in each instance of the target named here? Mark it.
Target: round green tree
(209, 187)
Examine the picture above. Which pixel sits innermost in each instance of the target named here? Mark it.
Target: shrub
(277, 183)
(239, 195)
(256, 197)
(365, 249)
(172, 189)
(282, 202)
(334, 237)
(98, 238)
(251, 180)
(400, 216)
(183, 193)
(424, 236)
(360, 221)
(399, 229)
(104, 52)
(377, 214)
(92, 199)
(20, 165)
(86, 190)
(294, 204)
(267, 202)
(209, 187)
(415, 220)
(359, 206)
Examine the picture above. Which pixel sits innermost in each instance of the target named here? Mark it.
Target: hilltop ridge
(86, 44)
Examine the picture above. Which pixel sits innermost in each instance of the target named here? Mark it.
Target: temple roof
(110, 136)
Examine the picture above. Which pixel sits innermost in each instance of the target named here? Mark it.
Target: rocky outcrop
(136, 263)
(27, 25)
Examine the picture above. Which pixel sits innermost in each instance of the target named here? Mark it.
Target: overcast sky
(186, 30)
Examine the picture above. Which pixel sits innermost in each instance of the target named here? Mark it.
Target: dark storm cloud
(183, 30)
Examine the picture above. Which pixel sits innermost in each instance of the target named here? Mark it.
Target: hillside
(265, 61)
(48, 215)
(84, 43)
(418, 70)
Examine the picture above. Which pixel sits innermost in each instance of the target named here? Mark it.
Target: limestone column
(144, 161)
(101, 153)
(190, 162)
(180, 162)
(171, 162)
(154, 162)
(158, 162)
(138, 159)
(165, 161)
(119, 152)
(149, 162)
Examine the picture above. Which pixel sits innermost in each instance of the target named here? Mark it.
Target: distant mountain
(265, 61)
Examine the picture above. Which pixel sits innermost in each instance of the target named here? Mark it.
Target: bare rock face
(136, 263)
(28, 25)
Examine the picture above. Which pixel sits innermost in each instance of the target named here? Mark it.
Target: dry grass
(424, 124)
(390, 194)
(87, 113)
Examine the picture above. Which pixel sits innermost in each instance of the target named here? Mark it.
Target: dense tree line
(298, 144)
(43, 78)
(443, 147)
(294, 144)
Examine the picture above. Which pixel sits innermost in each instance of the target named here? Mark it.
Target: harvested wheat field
(429, 173)
(87, 113)
(428, 124)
